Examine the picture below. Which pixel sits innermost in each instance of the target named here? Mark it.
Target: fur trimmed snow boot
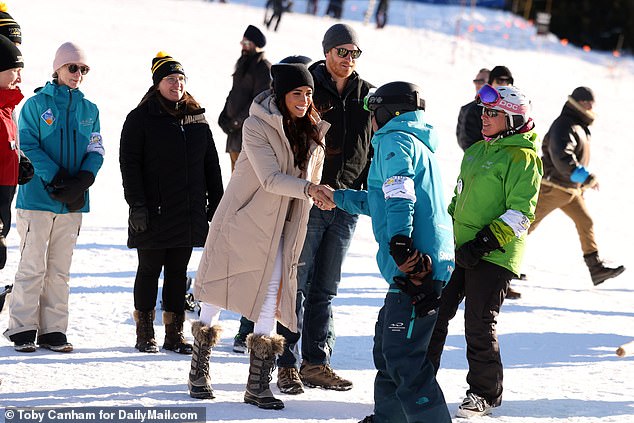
(263, 353)
(205, 338)
(174, 339)
(145, 341)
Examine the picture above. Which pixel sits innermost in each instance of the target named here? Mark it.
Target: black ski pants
(173, 262)
(483, 288)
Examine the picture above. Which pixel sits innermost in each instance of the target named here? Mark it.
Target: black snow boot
(24, 341)
(174, 339)
(263, 353)
(145, 341)
(599, 271)
(205, 338)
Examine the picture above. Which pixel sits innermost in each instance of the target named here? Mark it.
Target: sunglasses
(488, 96)
(175, 79)
(479, 81)
(491, 112)
(343, 52)
(72, 68)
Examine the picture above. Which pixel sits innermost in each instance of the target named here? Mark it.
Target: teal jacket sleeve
(45, 167)
(352, 201)
(93, 161)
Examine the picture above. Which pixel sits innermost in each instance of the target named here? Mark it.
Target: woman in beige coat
(249, 264)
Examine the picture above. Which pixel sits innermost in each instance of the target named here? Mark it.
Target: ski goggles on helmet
(371, 102)
(488, 96)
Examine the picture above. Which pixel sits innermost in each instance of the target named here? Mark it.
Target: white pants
(40, 294)
(265, 325)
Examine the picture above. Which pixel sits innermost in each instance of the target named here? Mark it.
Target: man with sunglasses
(492, 208)
(338, 96)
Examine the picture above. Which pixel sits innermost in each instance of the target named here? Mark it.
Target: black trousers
(173, 262)
(483, 289)
(7, 192)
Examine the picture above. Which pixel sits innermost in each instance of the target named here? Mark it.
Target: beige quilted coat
(264, 200)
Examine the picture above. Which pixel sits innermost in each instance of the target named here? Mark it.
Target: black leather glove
(424, 299)
(25, 169)
(401, 248)
(3, 251)
(70, 189)
(139, 219)
(470, 253)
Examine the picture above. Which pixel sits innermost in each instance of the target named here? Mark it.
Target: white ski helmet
(514, 104)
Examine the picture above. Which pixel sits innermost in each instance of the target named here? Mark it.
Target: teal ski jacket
(404, 151)
(498, 186)
(56, 127)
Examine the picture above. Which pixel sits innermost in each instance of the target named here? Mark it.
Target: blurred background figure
(251, 76)
(469, 128)
(381, 13)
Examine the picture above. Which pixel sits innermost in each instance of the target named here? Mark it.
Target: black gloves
(424, 299)
(70, 189)
(139, 219)
(470, 253)
(25, 169)
(3, 251)
(401, 249)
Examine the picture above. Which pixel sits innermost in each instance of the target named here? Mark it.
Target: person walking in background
(250, 259)
(566, 157)
(469, 127)
(339, 94)
(278, 7)
(381, 13)
(492, 208)
(409, 215)
(172, 183)
(59, 133)
(335, 9)
(251, 76)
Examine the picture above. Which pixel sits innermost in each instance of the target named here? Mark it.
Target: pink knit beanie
(69, 52)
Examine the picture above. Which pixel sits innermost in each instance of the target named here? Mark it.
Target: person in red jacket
(11, 65)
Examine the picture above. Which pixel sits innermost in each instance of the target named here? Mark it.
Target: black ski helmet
(392, 99)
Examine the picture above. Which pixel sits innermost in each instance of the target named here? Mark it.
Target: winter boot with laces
(24, 341)
(174, 339)
(322, 376)
(205, 338)
(263, 353)
(288, 381)
(599, 272)
(55, 341)
(473, 405)
(145, 341)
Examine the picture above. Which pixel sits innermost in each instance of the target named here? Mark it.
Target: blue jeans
(405, 387)
(318, 275)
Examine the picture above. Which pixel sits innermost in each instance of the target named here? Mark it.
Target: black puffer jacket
(171, 166)
(566, 146)
(348, 149)
(469, 127)
(251, 77)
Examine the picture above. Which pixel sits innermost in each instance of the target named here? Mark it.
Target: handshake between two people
(322, 195)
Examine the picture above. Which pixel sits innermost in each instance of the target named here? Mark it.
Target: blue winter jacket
(404, 147)
(56, 126)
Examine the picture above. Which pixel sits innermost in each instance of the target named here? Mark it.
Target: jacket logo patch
(396, 327)
(48, 117)
(86, 122)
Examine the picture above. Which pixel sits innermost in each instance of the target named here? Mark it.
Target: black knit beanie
(288, 76)
(582, 94)
(8, 27)
(10, 55)
(254, 35)
(164, 65)
(502, 73)
(337, 35)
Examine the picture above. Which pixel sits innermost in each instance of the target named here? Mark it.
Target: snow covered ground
(557, 342)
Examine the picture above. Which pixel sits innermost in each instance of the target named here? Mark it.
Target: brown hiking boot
(322, 376)
(288, 381)
(512, 294)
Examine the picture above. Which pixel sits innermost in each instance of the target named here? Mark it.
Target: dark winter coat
(469, 128)
(251, 77)
(348, 150)
(171, 166)
(566, 146)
